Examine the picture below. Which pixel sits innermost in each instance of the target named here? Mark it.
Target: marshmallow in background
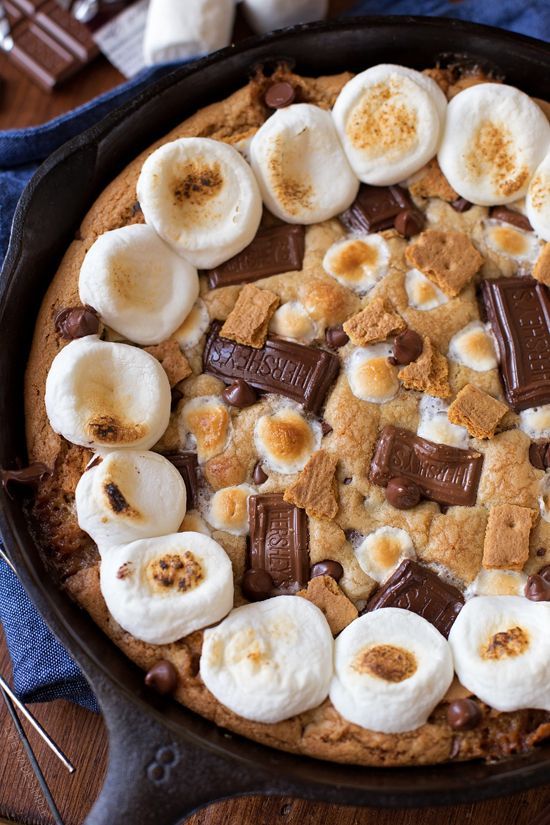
(266, 15)
(180, 29)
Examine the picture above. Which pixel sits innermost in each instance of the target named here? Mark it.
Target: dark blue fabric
(42, 668)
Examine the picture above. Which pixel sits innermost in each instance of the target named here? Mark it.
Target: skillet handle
(153, 777)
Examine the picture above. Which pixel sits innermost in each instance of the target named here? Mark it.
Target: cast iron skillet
(164, 760)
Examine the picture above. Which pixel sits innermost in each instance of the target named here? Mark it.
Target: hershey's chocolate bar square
(279, 541)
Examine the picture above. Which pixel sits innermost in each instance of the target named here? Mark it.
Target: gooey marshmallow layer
(392, 668)
(137, 284)
(269, 661)
(162, 589)
(130, 495)
(202, 198)
(302, 171)
(107, 395)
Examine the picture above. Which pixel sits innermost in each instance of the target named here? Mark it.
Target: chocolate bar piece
(275, 250)
(502, 213)
(444, 474)
(376, 207)
(413, 587)
(518, 310)
(301, 373)
(279, 541)
(187, 465)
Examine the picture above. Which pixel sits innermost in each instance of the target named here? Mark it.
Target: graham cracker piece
(249, 319)
(315, 489)
(541, 270)
(449, 259)
(375, 323)
(432, 183)
(506, 545)
(476, 410)
(325, 594)
(176, 365)
(429, 373)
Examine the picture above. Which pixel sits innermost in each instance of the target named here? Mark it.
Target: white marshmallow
(501, 651)
(392, 668)
(422, 294)
(180, 31)
(293, 321)
(194, 326)
(228, 509)
(269, 661)
(473, 347)
(138, 285)
(510, 241)
(285, 440)
(207, 421)
(303, 173)
(435, 426)
(535, 422)
(162, 589)
(201, 197)
(494, 139)
(130, 495)
(266, 15)
(538, 199)
(371, 377)
(103, 395)
(497, 583)
(382, 551)
(390, 121)
(358, 262)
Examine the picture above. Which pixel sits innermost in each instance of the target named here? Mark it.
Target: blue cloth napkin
(42, 669)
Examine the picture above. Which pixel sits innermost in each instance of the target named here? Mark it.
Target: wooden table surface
(82, 734)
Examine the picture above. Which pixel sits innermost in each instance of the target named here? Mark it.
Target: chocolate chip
(409, 222)
(544, 572)
(537, 588)
(348, 480)
(77, 322)
(280, 95)
(407, 347)
(162, 677)
(328, 568)
(541, 551)
(402, 493)
(259, 476)
(326, 429)
(336, 337)
(257, 585)
(539, 455)
(28, 476)
(464, 714)
(461, 205)
(240, 394)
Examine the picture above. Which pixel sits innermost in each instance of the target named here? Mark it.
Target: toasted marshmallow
(511, 242)
(102, 395)
(422, 294)
(130, 495)
(201, 197)
(358, 262)
(435, 426)
(382, 551)
(497, 583)
(538, 199)
(270, 660)
(501, 651)
(207, 420)
(535, 422)
(390, 121)
(138, 285)
(303, 173)
(544, 498)
(194, 326)
(162, 589)
(292, 320)
(371, 377)
(473, 347)
(392, 668)
(228, 509)
(494, 139)
(285, 440)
